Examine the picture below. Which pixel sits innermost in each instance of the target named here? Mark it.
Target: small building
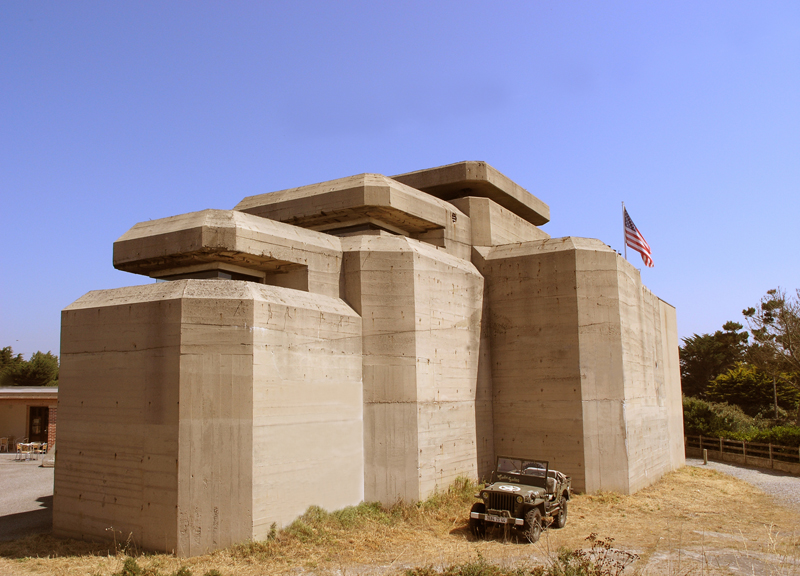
(28, 412)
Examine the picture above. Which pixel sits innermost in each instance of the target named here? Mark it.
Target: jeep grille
(501, 501)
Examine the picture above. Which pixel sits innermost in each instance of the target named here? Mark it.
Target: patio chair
(23, 451)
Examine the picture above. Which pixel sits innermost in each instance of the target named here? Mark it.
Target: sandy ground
(26, 498)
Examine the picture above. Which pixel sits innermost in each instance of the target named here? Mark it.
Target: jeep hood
(516, 489)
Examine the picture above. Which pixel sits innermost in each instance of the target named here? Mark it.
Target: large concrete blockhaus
(368, 338)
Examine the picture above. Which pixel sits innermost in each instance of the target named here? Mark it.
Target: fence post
(705, 457)
(720, 447)
(744, 451)
(770, 455)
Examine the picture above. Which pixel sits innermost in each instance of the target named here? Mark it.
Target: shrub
(714, 419)
(781, 435)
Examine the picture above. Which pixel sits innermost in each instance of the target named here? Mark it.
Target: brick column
(51, 426)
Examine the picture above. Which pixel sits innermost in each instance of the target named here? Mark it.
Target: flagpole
(624, 241)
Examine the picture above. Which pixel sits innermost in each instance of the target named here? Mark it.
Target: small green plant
(129, 568)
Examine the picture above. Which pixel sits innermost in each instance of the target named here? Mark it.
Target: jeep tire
(533, 525)
(477, 527)
(560, 519)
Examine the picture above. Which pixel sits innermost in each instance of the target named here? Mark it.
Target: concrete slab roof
(475, 178)
(29, 392)
(518, 249)
(214, 236)
(339, 203)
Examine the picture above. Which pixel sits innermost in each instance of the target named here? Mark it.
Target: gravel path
(783, 487)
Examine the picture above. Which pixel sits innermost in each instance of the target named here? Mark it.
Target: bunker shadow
(32, 522)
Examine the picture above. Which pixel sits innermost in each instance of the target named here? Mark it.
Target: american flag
(635, 240)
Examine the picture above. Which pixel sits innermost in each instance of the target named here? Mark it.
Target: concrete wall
(584, 363)
(632, 401)
(493, 225)
(188, 407)
(652, 393)
(602, 369)
(669, 359)
(533, 327)
(117, 455)
(307, 406)
(420, 309)
(448, 300)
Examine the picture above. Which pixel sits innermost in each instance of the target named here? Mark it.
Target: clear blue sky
(116, 112)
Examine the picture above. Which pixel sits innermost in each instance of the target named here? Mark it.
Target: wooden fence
(785, 458)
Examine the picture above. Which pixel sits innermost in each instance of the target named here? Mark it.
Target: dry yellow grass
(693, 521)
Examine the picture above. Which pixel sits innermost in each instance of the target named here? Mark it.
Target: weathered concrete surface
(473, 178)
(421, 330)
(186, 406)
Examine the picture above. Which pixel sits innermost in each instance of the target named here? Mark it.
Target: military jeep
(524, 494)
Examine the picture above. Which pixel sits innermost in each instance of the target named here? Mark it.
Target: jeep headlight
(519, 499)
(485, 495)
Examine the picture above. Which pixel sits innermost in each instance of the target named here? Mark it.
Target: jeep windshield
(521, 471)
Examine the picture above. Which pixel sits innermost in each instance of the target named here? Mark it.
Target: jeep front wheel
(477, 527)
(533, 525)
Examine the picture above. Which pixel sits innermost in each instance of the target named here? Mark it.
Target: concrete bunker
(387, 334)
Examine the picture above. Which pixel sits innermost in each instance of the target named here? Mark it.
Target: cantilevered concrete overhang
(473, 178)
(355, 200)
(234, 242)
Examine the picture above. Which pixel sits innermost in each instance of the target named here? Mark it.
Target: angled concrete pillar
(583, 369)
(421, 311)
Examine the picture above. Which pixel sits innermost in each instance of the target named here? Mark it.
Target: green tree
(751, 389)
(9, 363)
(704, 357)
(40, 370)
(775, 325)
